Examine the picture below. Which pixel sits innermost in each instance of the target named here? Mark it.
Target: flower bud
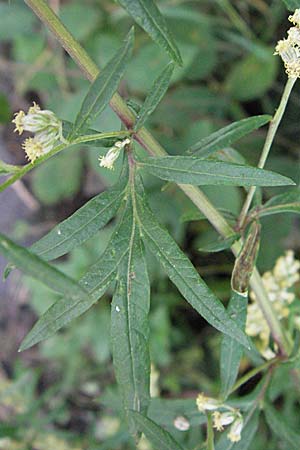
(235, 431)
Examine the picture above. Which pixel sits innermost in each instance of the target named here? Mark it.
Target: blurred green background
(62, 394)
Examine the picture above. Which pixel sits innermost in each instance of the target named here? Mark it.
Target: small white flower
(112, 155)
(235, 431)
(207, 403)
(220, 420)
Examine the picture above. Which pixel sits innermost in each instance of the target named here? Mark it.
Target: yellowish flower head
(18, 121)
(295, 18)
(207, 403)
(33, 149)
(220, 420)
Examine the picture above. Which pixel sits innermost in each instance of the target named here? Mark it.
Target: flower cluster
(112, 155)
(47, 129)
(277, 283)
(289, 49)
(223, 415)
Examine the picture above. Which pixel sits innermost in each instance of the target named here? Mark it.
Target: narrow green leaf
(6, 169)
(159, 437)
(129, 324)
(157, 91)
(105, 85)
(289, 202)
(192, 170)
(292, 4)
(231, 352)
(227, 135)
(183, 274)
(82, 225)
(96, 281)
(219, 245)
(281, 428)
(147, 15)
(251, 422)
(34, 266)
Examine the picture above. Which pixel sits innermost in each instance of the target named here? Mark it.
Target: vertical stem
(210, 432)
(274, 124)
(147, 141)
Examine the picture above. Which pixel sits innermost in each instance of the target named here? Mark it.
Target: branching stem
(147, 141)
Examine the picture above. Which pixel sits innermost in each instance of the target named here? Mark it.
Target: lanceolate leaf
(231, 351)
(160, 438)
(192, 170)
(183, 274)
(281, 428)
(40, 270)
(147, 15)
(227, 135)
(157, 91)
(96, 281)
(82, 225)
(219, 244)
(129, 324)
(288, 202)
(104, 86)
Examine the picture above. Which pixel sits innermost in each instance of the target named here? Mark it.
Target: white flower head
(207, 403)
(220, 420)
(36, 120)
(290, 55)
(235, 431)
(112, 155)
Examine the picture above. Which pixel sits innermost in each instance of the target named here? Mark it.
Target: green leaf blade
(183, 274)
(147, 15)
(231, 352)
(228, 135)
(160, 438)
(104, 86)
(39, 269)
(129, 326)
(196, 171)
(81, 225)
(96, 281)
(281, 428)
(157, 91)
(289, 202)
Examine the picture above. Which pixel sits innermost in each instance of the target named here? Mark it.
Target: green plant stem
(147, 141)
(252, 373)
(210, 433)
(273, 127)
